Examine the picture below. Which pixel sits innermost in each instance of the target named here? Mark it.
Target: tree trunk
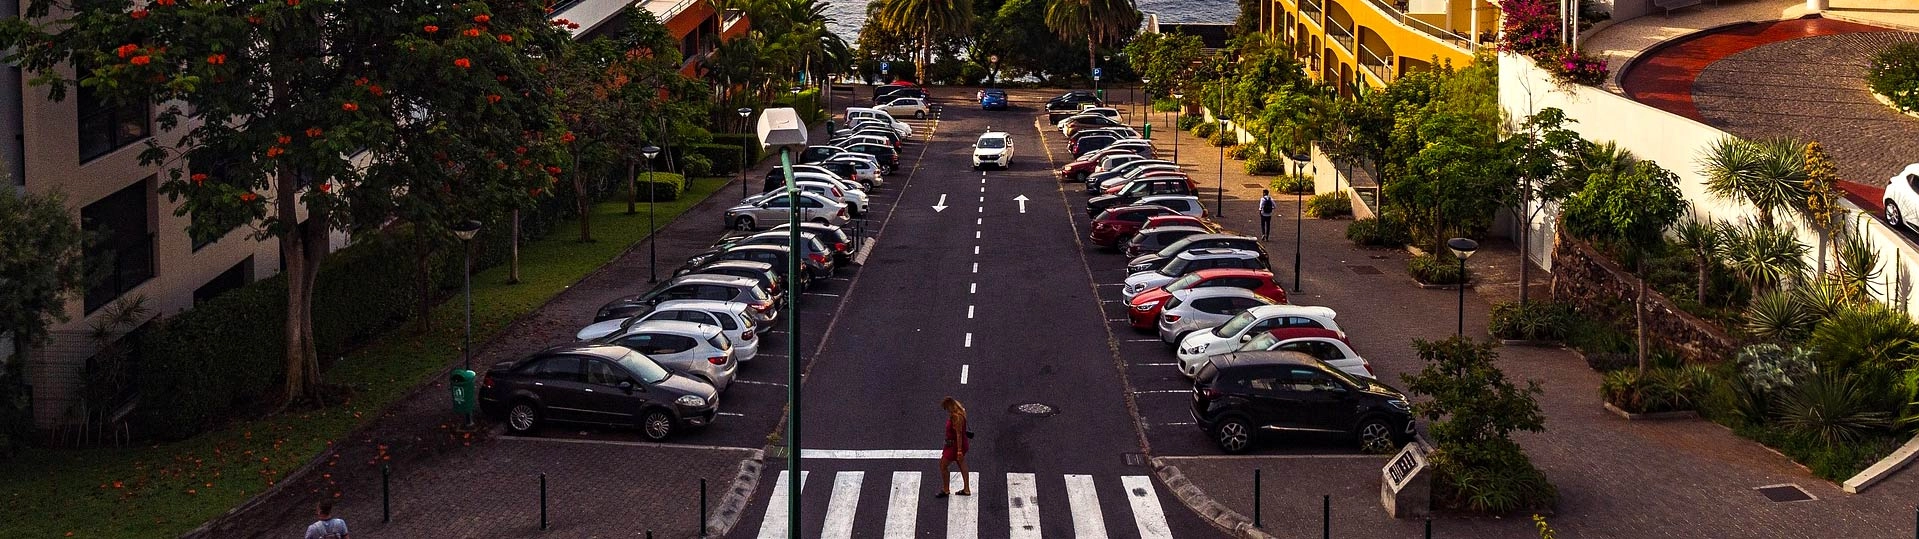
(513, 267)
(422, 281)
(632, 190)
(1639, 315)
(1525, 250)
(1700, 294)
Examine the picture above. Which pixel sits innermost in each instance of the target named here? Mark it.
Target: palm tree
(1702, 237)
(1096, 21)
(1766, 256)
(1769, 174)
(931, 18)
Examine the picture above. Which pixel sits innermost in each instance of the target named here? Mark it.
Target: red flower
(164, 2)
(500, 165)
(573, 26)
(506, 38)
(493, 98)
(256, 20)
(349, 107)
(217, 59)
(558, 22)
(377, 91)
(126, 50)
(535, 191)
(482, 18)
(550, 169)
(141, 60)
(326, 187)
(519, 150)
(285, 139)
(248, 197)
(275, 151)
(501, 78)
(138, 14)
(472, 32)
(463, 63)
(431, 28)
(199, 178)
(314, 132)
(568, 137)
(359, 81)
(293, 3)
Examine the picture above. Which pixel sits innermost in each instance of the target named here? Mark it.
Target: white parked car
(1323, 344)
(855, 114)
(864, 165)
(733, 318)
(1184, 204)
(698, 350)
(1188, 262)
(995, 149)
(1902, 194)
(1204, 308)
(757, 212)
(906, 106)
(1244, 326)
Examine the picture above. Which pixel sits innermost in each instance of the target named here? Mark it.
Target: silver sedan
(1196, 309)
(698, 350)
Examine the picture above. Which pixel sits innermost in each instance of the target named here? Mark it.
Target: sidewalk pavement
(630, 484)
(1637, 479)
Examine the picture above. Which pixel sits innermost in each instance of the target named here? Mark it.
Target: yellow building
(1375, 41)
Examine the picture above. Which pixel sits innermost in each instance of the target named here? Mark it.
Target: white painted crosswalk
(911, 510)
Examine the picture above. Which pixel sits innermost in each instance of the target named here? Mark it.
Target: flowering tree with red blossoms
(298, 117)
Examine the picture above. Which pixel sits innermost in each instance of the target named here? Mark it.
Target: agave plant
(1764, 255)
(1822, 298)
(1777, 317)
(1858, 267)
(1832, 408)
(1866, 336)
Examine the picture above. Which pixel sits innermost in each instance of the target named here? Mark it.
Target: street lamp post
(466, 230)
(781, 128)
(1299, 227)
(744, 112)
(652, 246)
(1219, 201)
(1146, 86)
(993, 71)
(1462, 248)
(1179, 101)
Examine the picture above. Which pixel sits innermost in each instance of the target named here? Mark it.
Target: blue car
(993, 100)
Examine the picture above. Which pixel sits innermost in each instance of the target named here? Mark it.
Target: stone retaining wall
(1597, 286)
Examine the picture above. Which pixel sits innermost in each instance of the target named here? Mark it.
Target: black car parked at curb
(1238, 396)
(596, 384)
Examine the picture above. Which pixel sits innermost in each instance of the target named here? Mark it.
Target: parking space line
(1174, 364)
(1146, 391)
(821, 294)
(1175, 424)
(637, 444)
(1256, 457)
(730, 414)
(758, 383)
(1142, 340)
(1117, 320)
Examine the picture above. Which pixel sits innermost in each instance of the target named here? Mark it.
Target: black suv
(1071, 101)
(1241, 394)
(598, 384)
(1152, 261)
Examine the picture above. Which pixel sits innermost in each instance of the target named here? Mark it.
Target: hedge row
(663, 185)
(227, 353)
(749, 140)
(724, 157)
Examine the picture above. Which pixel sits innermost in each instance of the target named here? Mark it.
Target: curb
(1196, 499)
(1653, 416)
(738, 495)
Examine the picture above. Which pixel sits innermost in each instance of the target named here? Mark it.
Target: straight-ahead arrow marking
(941, 205)
(1022, 202)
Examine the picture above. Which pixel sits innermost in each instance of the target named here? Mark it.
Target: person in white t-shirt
(327, 527)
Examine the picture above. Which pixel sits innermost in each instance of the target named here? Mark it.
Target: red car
(1076, 171)
(1115, 225)
(1143, 311)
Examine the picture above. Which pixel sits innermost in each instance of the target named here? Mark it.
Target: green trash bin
(1148, 132)
(464, 398)
(830, 129)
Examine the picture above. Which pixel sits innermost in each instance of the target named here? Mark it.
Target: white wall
(1676, 142)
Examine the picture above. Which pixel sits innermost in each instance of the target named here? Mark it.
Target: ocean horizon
(849, 15)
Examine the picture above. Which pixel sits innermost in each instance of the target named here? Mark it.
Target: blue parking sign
(1097, 73)
(884, 66)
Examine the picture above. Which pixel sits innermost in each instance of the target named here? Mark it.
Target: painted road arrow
(941, 205)
(1022, 202)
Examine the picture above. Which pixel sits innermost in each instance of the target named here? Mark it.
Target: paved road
(994, 306)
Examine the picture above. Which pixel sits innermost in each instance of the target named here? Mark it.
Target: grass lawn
(166, 490)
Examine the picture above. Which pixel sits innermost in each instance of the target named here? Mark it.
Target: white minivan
(856, 113)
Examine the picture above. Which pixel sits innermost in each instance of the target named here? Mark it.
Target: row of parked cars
(1258, 364)
(659, 360)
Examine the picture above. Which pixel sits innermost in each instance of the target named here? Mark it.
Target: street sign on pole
(1097, 73)
(885, 66)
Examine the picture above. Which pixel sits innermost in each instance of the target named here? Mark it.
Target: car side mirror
(1245, 338)
(627, 386)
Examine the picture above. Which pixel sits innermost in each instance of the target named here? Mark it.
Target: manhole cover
(1034, 408)
(1135, 459)
(1364, 270)
(1785, 493)
(1251, 185)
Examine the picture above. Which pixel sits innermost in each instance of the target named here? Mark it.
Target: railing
(1339, 33)
(1311, 9)
(1380, 68)
(1395, 12)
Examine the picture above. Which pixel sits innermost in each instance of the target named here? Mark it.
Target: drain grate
(1034, 408)
(1785, 493)
(1364, 269)
(1135, 459)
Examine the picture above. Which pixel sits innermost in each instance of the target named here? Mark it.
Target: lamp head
(465, 230)
(781, 128)
(746, 111)
(1462, 247)
(1300, 157)
(650, 151)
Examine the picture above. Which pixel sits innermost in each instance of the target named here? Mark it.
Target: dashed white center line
(982, 189)
(975, 267)
(969, 311)
(982, 199)
(969, 339)
(979, 221)
(975, 249)
(982, 209)
(964, 370)
(972, 288)
(976, 234)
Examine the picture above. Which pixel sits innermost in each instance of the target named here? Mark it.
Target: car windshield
(1174, 267)
(1183, 283)
(993, 142)
(1235, 325)
(1263, 341)
(649, 371)
(1174, 249)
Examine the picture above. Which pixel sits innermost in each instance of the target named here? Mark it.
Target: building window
(122, 254)
(234, 277)
(106, 126)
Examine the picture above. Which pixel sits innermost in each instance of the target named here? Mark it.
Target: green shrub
(1241, 152)
(1866, 337)
(805, 102)
(1223, 138)
(1384, 231)
(1165, 104)
(1430, 269)
(227, 353)
(749, 140)
(722, 159)
(1473, 411)
(1291, 184)
(1191, 122)
(1894, 73)
(696, 165)
(1206, 130)
(1530, 321)
(662, 186)
(1834, 408)
(1330, 205)
(1666, 389)
(1265, 165)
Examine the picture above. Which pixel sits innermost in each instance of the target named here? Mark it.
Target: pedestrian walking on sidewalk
(1266, 207)
(957, 443)
(327, 527)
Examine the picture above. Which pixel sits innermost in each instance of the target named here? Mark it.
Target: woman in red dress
(955, 449)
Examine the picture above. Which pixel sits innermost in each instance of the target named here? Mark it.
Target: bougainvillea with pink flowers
(1532, 28)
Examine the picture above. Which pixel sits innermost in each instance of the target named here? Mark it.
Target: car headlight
(1400, 404)
(1148, 306)
(691, 401)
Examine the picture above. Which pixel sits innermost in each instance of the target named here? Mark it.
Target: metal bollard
(1429, 527)
(542, 501)
(702, 507)
(1326, 516)
(386, 494)
(1256, 504)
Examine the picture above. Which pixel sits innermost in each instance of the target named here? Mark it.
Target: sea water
(848, 15)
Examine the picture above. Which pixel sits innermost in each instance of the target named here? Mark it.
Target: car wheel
(1375, 436)
(919, 115)
(523, 417)
(822, 220)
(1180, 338)
(743, 223)
(1893, 217)
(656, 425)
(1234, 435)
(1080, 176)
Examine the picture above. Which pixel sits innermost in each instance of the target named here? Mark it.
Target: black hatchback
(1239, 395)
(596, 384)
